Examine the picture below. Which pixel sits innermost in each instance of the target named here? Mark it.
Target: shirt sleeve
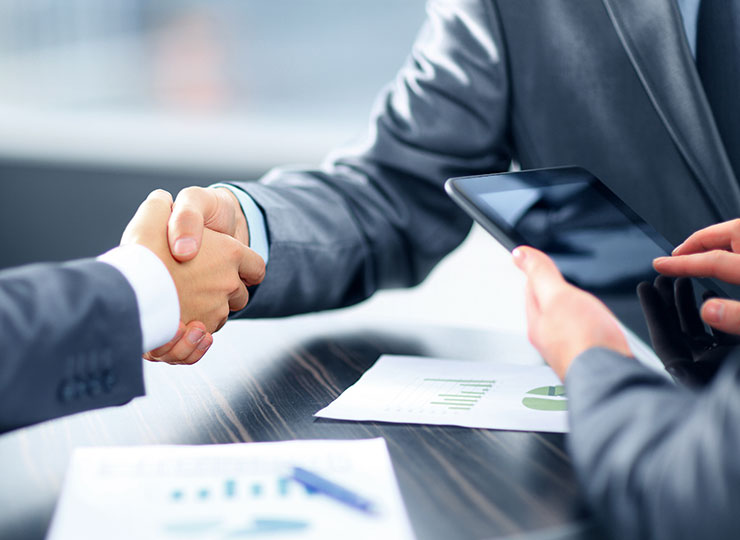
(258, 240)
(156, 295)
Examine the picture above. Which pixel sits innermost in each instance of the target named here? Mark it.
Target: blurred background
(102, 101)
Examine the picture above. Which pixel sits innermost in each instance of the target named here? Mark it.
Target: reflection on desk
(263, 381)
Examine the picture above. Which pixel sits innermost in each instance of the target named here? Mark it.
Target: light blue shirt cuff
(255, 221)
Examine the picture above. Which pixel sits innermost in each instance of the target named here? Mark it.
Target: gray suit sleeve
(71, 341)
(376, 216)
(657, 460)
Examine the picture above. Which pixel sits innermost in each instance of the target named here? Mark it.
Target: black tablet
(597, 241)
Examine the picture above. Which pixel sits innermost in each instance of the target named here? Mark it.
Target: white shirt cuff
(156, 295)
(255, 221)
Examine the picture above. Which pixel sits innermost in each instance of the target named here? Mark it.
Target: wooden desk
(263, 380)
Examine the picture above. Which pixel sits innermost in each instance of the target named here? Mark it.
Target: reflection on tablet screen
(597, 242)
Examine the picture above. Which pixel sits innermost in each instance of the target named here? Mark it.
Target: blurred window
(203, 82)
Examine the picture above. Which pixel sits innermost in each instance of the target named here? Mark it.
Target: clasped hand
(210, 283)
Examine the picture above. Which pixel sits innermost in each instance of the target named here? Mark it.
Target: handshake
(202, 239)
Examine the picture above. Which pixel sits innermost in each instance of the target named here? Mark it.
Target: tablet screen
(596, 240)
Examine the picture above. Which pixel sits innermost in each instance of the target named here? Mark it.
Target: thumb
(152, 214)
(545, 280)
(190, 212)
(722, 314)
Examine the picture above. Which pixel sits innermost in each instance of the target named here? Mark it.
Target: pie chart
(546, 398)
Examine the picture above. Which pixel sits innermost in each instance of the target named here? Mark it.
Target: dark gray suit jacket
(70, 338)
(656, 460)
(609, 85)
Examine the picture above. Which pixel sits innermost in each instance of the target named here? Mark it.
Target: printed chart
(228, 491)
(407, 389)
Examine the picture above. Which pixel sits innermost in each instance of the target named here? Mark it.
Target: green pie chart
(546, 398)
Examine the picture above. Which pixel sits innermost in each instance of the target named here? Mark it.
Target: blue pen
(317, 483)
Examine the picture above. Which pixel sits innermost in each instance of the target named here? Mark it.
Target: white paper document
(228, 491)
(417, 390)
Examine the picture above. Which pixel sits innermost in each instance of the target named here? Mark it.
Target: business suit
(71, 341)
(609, 85)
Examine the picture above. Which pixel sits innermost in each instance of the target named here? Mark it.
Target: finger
(720, 236)
(718, 264)
(195, 333)
(723, 338)
(192, 209)
(665, 289)
(155, 354)
(724, 315)
(239, 298)
(530, 303)
(688, 310)
(199, 351)
(543, 276)
(664, 286)
(251, 265)
(156, 208)
(533, 314)
(664, 328)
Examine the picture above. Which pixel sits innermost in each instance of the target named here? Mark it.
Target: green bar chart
(457, 394)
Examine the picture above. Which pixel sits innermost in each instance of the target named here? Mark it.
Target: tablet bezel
(461, 190)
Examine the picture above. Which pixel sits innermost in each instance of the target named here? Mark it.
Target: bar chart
(443, 395)
(244, 489)
(461, 394)
(422, 390)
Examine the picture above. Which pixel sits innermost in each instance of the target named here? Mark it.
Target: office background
(100, 102)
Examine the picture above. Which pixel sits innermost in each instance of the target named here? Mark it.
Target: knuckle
(160, 193)
(236, 250)
(714, 259)
(187, 212)
(261, 270)
(189, 193)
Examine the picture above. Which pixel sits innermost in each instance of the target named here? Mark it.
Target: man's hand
(197, 209)
(208, 286)
(564, 321)
(711, 252)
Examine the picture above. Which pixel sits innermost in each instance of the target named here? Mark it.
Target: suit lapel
(651, 32)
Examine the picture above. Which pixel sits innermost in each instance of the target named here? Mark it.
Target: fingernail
(676, 248)
(713, 312)
(196, 335)
(518, 254)
(185, 246)
(659, 260)
(204, 345)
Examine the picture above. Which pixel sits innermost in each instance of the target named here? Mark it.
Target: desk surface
(263, 380)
